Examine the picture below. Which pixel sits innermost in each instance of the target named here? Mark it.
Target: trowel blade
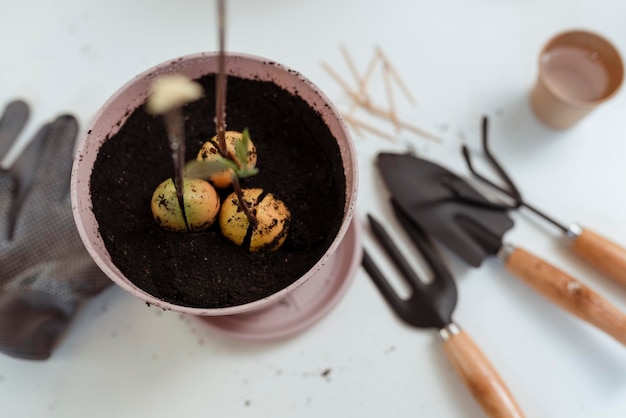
(428, 194)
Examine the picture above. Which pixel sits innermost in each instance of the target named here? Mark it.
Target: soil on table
(298, 161)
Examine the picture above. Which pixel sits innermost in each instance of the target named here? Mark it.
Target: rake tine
(379, 280)
(394, 253)
(514, 192)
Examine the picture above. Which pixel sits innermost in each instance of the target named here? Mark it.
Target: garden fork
(431, 306)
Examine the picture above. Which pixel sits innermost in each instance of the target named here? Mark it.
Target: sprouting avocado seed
(202, 205)
(272, 220)
(210, 151)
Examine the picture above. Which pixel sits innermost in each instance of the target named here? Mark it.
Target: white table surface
(460, 60)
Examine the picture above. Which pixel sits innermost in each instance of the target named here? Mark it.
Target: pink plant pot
(319, 289)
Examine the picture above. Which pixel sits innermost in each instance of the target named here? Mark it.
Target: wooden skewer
(220, 80)
(390, 99)
(354, 71)
(357, 129)
(340, 81)
(395, 75)
(373, 109)
(359, 124)
(366, 77)
(344, 85)
(349, 116)
(382, 113)
(357, 78)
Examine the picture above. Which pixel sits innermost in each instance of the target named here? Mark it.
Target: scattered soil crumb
(247, 402)
(411, 149)
(53, 405)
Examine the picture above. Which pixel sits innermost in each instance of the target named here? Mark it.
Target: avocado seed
(272, 220)
(210, 151)
(202, 205)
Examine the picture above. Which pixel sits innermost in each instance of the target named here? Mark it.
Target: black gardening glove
(45, 271)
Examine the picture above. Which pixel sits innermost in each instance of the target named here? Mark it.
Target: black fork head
(429, 305)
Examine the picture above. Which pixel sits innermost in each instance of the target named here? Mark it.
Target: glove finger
(5, 202)
(13, 119)
(41, 174)
(11, 124)
(53, 174)
(22, 174)
(32, 323)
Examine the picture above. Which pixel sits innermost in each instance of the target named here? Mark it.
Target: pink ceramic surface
(303, 307)
(132, 95)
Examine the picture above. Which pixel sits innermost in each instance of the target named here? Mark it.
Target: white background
(460, 59)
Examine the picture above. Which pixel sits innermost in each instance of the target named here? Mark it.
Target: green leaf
(241, 148)
(206, 169)
(247, 172)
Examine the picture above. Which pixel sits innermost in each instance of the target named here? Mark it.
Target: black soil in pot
(299, 162)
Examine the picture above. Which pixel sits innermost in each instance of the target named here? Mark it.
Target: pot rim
(81, 197)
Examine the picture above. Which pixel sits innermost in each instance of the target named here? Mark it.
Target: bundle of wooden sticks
(360, 97)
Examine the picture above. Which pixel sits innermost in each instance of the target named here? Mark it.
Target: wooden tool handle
(567, 292)
(602, 253)
(480, 377)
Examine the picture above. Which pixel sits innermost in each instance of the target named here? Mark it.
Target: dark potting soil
(298, 161)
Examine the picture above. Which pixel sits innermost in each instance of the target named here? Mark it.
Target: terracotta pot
(314, 288)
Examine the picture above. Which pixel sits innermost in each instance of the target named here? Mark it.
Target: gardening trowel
(429, 195)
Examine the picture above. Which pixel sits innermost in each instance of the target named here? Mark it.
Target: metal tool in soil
(431, 306)
(458, 216)
(600, 252)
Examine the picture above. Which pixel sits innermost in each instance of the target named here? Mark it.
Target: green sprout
(237, 165)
